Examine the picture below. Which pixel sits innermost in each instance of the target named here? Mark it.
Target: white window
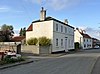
(56, 42)
(61, 42)
(65, 29)
(61, 28)
(90, 40)
(56, 27)
(84, 40)
(87, 40)
(72, 43)
(69, 43)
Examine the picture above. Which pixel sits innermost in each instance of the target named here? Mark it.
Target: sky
(84, 14)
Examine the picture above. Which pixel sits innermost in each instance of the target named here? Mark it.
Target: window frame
(62, 42)
(61, 28)
(56, 41)
(57, 28)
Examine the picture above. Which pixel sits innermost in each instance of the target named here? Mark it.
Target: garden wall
(36, 49)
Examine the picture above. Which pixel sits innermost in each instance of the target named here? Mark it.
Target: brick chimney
(42, 14)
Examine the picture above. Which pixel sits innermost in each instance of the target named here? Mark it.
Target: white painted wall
(41, 29)
(48, 29)
(79, 38)
(87, 42)
(62, 35)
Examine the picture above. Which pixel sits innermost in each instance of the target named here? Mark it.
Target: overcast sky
(84, 14)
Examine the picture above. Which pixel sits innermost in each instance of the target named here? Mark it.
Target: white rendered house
(84, 39)
(60, 33)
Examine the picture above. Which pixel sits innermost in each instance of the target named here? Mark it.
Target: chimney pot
(66, 21)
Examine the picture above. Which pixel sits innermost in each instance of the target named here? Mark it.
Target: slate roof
(83, 34)
(86, 36)
(51, 18)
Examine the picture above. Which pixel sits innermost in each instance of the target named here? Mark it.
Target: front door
(66, 50)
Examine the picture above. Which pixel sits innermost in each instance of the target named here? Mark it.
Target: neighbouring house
(84, 39)
(60, 33)
(19, 39)
(95, 42)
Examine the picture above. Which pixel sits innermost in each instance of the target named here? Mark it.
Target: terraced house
(84, 39)
(60, 33)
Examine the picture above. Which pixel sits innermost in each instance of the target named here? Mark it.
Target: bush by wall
(8, 60)
(32, 41)
(43, 41)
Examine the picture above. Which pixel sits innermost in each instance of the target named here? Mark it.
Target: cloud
(34, 1)
(56, 4)
(9, 9)
(16, 32)
(63, 4)
(92, 32)
(4, 9)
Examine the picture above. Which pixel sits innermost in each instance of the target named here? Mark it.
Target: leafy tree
(23, 32)
(20, 33)
(7, 32)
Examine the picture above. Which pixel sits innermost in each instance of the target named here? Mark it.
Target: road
(77, 63)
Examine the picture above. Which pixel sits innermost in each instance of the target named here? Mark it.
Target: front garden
(9, 57)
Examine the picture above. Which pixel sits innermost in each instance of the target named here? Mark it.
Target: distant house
(84, 39)
(18, 39)
(95, 42)
(60, 33)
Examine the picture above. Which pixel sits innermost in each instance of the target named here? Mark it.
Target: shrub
(43, 41)
(8, 60)
(32, 41)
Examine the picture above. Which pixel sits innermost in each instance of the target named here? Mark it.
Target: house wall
(48, 29)
(79, 38)
(87, 43)
(58, 34)
(40, 29)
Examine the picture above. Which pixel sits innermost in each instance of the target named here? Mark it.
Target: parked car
(96, 47)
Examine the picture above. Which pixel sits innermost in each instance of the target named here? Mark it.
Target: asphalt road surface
(77, 63)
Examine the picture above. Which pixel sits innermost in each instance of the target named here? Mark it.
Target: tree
(7, 32)
(20, 33)
(4, 27)
(23, 32)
